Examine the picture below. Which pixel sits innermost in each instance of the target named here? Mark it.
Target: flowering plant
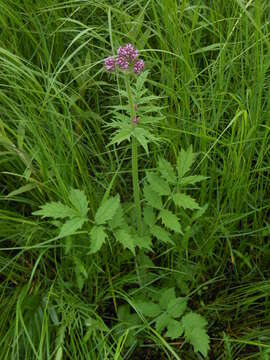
(162, 209)
(127, 59)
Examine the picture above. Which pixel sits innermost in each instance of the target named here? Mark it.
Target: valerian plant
(159, 204)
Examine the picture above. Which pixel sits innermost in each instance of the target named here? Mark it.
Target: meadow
(134, 239)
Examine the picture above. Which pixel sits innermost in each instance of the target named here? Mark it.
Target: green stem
(135, 180)
(135, 175)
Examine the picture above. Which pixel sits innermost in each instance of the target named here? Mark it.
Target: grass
(209, 60)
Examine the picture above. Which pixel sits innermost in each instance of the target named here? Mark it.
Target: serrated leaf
(195, 333)
(56, 210)
(177, 307)
(165, 296)
(152, 197)
(175, 329)
(121, 135)
(161, 234)
(98, 237)
(185, 201)
(141, 80)
(118, 219)
(142, 140)
(79, 201)
(167, 170)
(170, 220)
(125, 239)
(149, 215)
(143, 242)
(147, 308)
(147, 99)
(190, 180)
(199, 339)
(184, 161)
(196, 215)
(157, 184)
(161, 322)
(143, 136)
(71, 226)
(107, 210)
(193, 320)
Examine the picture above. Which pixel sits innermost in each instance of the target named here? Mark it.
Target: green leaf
(143, 242)
(147, 308)
(168, 294)
(149, 215)
(193, 320)
(118, 219)
(125, 239)
(184, 161)
(190, 180)
(161, 322)
(55, 210)
(197, 214)
(122, 135)
(185, 201)
(177, 307)
(71, 226)
(107, 210)
(143, 136)
(98, 237)
(161, 234)
(22, 189)
(170, 220)
(199, 339)
(79, 267)
(152, 197)
(147, 99)
(195, 333)
(79, 201)
(124, 315)
(157, 184)
(141, 80)
(167, 170)
(80, 272)
(175, 329)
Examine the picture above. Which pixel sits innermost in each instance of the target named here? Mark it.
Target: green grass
(209, 60)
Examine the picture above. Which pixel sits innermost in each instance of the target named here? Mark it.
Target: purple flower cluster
(127, 58)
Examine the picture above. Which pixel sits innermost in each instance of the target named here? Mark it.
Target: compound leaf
(98, 237)
(170, 220)
(107, 210)
(185, 201)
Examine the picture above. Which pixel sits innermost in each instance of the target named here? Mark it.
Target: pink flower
(138, 67)
(109, 64)
(128, 52)
(127, 59)
(122, 63)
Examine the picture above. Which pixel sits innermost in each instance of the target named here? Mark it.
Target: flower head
(138, 67)
(109, 64)
(127, 59)
(128, 52)
(122, 63)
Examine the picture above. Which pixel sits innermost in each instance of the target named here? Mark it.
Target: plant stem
(135, 175)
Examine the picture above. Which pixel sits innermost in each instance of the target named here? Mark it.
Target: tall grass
(210, 62)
